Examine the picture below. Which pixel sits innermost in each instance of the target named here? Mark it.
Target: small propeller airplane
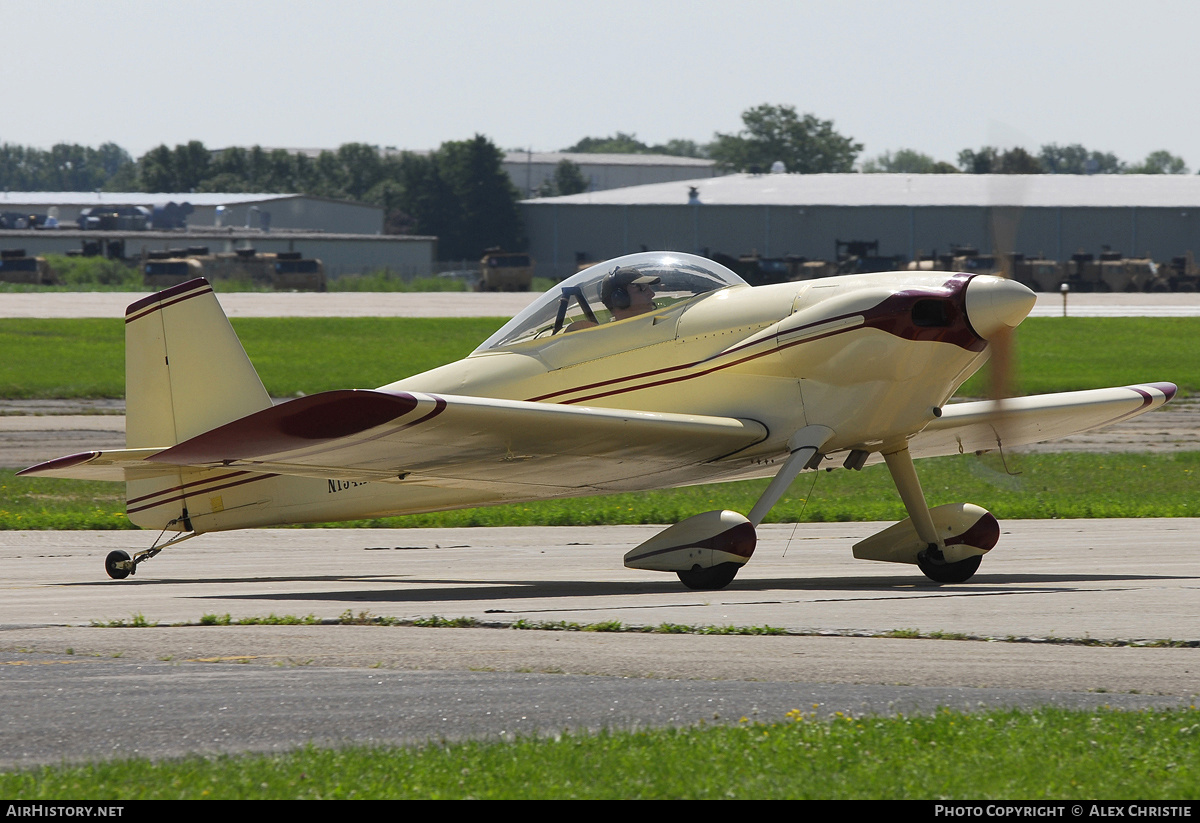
(653, 370)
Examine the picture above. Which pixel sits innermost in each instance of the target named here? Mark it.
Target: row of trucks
(283, 271)
(1110, 271)
(18, 267)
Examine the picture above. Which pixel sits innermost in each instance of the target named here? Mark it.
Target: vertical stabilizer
(185, 370)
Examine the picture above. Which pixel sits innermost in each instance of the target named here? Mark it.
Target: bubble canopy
(576, 302)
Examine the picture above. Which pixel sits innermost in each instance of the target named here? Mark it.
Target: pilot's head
(628, 292)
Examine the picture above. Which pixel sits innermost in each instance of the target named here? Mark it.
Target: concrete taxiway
(1073, 613)
(95, 668)
(1119, 581)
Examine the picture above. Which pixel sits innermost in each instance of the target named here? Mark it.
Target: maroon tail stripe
(167, 297)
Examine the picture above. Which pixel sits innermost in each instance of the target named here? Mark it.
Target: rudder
(185, 369)
(185, 373)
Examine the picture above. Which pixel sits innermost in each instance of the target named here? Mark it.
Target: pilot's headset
(614, 291)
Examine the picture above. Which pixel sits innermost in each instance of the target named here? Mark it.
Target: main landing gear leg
(720, 576)
(930, 561)
(119, 565)
(805, 445)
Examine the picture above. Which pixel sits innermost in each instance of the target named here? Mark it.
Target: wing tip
(1168, 389)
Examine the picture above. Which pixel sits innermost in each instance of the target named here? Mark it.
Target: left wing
(378, 435)
(990, 424)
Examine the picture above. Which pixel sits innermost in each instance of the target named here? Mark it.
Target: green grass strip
(85, 358)
(1070, 485)
(811, 754)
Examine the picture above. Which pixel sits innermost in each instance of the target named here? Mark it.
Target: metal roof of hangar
(136, 198)
(1031, 191)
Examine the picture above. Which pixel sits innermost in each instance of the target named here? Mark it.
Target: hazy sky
(934, 76)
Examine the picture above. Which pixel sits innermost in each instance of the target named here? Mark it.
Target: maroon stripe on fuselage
(896, 315)
(181, 493)
(188, 487)
(893, 315)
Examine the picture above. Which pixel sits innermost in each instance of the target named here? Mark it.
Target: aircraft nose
(996, 303)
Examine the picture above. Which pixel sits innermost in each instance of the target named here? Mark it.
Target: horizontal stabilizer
(116, 464)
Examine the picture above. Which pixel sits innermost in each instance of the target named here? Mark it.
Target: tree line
(460, 193)
(805, 144)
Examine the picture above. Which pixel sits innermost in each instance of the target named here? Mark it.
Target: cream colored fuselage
(831, 353)
(786, 355)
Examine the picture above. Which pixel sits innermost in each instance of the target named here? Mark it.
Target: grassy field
(85, 358)
(1047, 486)
(1039, 754)
(1005, 755)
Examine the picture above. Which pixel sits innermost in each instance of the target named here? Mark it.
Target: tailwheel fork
(119, 565)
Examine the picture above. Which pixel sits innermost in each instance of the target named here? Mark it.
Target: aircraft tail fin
(185, 373)
(185, 369)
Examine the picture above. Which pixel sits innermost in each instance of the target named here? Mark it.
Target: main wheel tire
(110, 565)
(710, 579)
(959, 572)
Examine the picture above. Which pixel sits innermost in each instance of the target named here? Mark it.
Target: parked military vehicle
(862, 256)
(1183, 273)
(1038, 273)
(18, 267)
(505, 271)
(283, 271)
(760, 271)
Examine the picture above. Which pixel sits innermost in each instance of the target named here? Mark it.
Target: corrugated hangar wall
(559, 233)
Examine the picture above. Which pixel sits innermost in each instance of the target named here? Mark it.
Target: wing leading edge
(375, 435)
(985, 425)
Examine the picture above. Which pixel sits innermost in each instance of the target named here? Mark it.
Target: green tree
(485, 199)
(568, 179)
(65, 167)
(990, 160)
(426, 204)
(364, 168)
(805, 145)
(680, 148)
(622, 143)
(1075, 159)
(156, 170)
(1160, 162)
(906, 161)
(619, 143)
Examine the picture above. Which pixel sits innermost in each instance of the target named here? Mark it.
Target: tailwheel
(118, 565)
(943, 572)
(710, 579)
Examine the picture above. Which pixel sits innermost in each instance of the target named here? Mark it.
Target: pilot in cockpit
(625, 292)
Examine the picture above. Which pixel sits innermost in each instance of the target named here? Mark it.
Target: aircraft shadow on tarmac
(417, 590)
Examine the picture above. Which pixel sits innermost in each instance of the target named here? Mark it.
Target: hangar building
(529, 170)
(347, 236)
(286, 211)
(805, 214)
